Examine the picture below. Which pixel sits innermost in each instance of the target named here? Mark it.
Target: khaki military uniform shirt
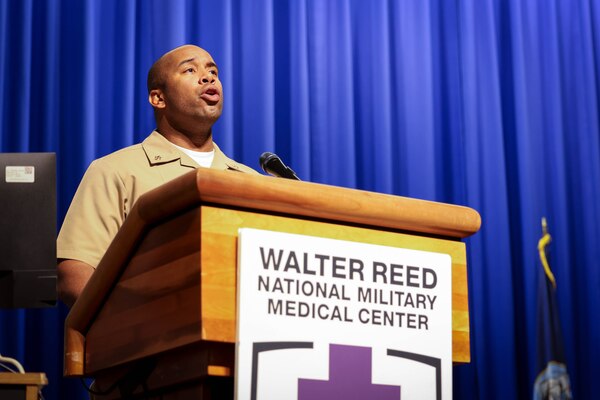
(110, 187)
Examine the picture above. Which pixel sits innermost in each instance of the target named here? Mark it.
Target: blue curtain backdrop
(491, 104)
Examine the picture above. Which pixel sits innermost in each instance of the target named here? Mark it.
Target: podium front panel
(219, 259)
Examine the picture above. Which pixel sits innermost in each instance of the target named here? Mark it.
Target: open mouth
(211, 95)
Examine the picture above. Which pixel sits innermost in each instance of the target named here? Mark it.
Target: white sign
(18, 174)
(322, 319)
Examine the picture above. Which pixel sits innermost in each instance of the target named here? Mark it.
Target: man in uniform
(187, 97)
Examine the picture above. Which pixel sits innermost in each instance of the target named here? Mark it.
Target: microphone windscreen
(265, 158)
(272, 165)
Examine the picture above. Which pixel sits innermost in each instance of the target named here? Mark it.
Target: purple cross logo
(349, 378)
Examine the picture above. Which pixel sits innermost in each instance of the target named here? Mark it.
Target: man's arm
(73, 275)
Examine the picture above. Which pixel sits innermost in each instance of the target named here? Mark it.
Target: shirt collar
(160, 151)
(221, 161)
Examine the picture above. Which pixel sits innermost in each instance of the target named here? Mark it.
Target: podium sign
(322, 318)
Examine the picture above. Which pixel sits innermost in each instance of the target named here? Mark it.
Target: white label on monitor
(18, 174)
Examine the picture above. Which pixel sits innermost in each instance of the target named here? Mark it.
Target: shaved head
(156, 75)
(156, 78)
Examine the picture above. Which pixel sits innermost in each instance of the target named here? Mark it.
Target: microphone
(273, 165)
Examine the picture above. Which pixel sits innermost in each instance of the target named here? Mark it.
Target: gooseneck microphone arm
(272, 165)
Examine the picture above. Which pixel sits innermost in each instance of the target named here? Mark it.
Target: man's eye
(213, 72)
(189, 70)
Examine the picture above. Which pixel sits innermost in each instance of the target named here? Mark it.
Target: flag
(552, 381)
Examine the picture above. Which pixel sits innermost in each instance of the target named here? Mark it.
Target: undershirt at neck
(202, 158)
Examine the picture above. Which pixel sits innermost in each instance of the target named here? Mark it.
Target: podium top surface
(308, 200)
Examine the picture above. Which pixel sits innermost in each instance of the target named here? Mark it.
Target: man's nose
(207, 77)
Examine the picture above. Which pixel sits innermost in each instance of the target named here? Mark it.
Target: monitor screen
(27, 230)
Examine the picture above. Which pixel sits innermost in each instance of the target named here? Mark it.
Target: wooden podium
(158, 317)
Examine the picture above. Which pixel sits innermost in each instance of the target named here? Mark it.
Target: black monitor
(27, 230)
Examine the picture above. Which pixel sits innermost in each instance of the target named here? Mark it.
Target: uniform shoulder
(222, 161)
(121, 158)
(125, 152)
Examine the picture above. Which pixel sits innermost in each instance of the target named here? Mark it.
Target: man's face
(192, 92)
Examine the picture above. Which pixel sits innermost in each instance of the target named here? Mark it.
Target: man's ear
(156, 98)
